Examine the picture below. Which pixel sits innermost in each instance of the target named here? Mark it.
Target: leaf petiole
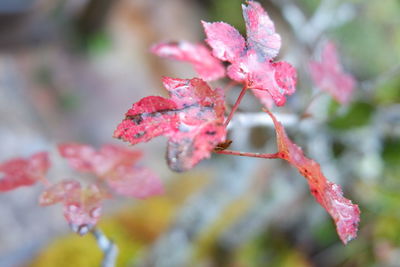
(236, 105)
(248, 154)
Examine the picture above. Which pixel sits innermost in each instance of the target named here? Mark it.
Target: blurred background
(70, 69)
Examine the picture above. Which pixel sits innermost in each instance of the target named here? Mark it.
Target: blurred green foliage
(98, 43)
(389, 92)
(358, 114)
(371, 41)
(309, 6)
(391, 152)
(229, 11)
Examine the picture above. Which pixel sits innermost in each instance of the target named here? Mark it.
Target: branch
(248, 154)
(237, 103)
(108, 247)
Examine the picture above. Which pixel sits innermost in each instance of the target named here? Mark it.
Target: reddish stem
(249, 154)
(238, 100)
(260, 89)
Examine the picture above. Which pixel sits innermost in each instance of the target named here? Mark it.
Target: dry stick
(238, 100)
(249, 154)
(110, 250)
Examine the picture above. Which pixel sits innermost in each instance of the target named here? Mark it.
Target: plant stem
(238, 100)
(108, 247)
(260, 89)
(248, 154)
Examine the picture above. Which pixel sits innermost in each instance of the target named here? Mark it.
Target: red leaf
(345, 214)
(225, 40)
(186, 149)
(86, 159)
(192, 119)
(152, 116)
(278, 79)
(285, 77)
(207, 66)
(135, 182)
(23, 172)
(252, 63)
(82, 207)
(329, 76)
(261, 35)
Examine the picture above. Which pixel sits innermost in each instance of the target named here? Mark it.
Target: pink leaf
(59, 192)
(278, 79)
(82, 207)
(285, 77)
(251, 63)
(193, 109)
(329, 195)
(208, 67)
(186, 149)
(87, 159)
(329, 76)
(261, 35)
(23, 172)
(225, 40)
(114, 164)
(135, 182)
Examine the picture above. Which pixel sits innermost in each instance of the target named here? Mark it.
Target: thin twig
(108, 247)
(248, 154)
(238, 100)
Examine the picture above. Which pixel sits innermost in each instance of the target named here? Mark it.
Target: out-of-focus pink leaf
(193, 121)
(251, 63)
(329, 76)
(208, 67)
(82, 206)
(116, 165)
(137, 182)
(23, 172)
(59, 192)
(86, 159)
(329, 195)
(261, 35)
(227, 43)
